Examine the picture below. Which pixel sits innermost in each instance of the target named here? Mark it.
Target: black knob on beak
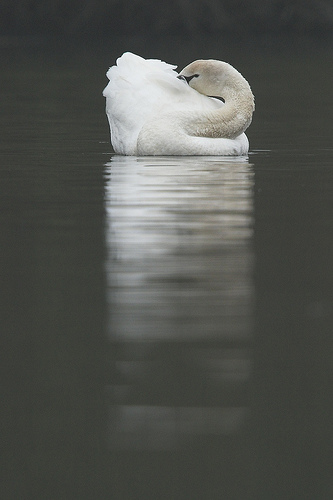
(182, 77)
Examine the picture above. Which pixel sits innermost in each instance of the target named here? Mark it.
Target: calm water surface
(166, 322)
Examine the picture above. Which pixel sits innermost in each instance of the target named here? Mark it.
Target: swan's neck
(232, 119)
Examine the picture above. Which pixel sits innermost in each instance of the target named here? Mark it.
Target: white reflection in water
(159, 427)
(179, 236)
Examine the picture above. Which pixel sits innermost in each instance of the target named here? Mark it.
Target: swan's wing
(137, 87)
(140, 88)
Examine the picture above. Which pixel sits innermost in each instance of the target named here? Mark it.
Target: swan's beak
(182, 77)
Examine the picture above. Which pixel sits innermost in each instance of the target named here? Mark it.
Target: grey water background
(166, 322)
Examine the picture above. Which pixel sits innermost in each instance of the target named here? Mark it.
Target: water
(167, 322)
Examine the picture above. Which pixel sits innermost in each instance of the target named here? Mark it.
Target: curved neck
(230, 120)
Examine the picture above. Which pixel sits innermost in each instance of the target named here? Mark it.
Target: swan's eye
(187, 78)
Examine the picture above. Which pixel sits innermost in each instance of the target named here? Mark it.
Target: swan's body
(154, 111)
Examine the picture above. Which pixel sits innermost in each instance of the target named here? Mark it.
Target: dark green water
(166, 323)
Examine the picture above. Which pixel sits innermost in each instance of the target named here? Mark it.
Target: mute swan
(152, 110)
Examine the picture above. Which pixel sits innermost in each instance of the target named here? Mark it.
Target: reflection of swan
(179, 239)
(180, 299)
(152, 112)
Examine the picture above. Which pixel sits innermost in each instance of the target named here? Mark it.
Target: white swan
(152, 110)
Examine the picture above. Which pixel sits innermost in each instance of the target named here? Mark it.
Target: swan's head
(209, 77)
